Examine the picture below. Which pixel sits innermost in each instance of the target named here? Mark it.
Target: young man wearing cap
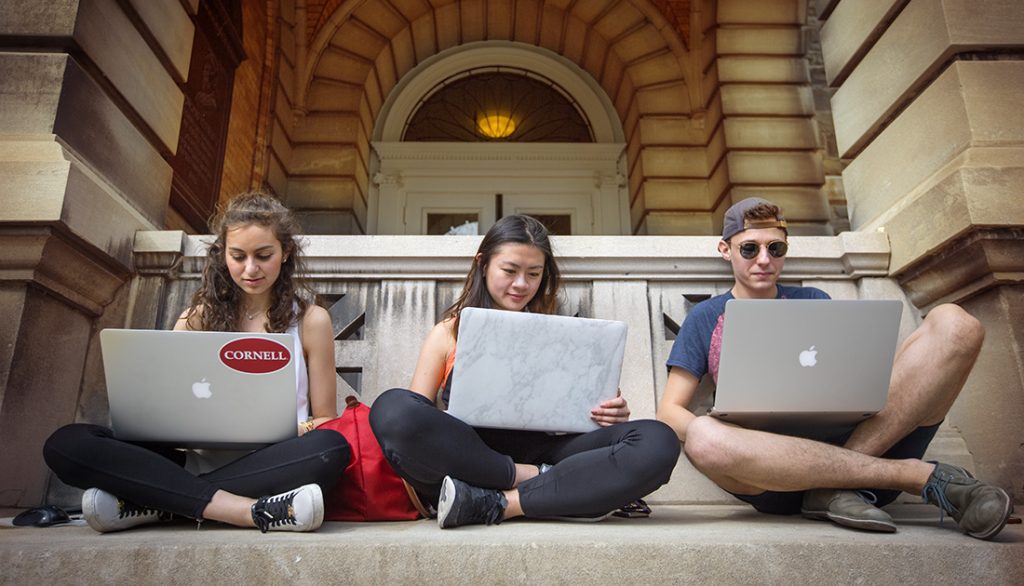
(847, 477)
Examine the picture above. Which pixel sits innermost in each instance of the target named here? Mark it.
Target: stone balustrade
(384, 293)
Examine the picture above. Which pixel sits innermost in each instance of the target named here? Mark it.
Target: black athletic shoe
(299, 510)
(462, 504)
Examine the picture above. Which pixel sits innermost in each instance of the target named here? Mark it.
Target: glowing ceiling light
(495, 125)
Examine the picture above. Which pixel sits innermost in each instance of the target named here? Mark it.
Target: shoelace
(130, 509)
(936, 489)
(496, 504)
(270, 512)
(867, 496)
(481, 504)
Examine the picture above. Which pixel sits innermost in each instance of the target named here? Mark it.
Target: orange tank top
(449, 363)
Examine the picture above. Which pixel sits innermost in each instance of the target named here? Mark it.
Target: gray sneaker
(980, 508)
(105, 512)
(462, 504)
(847, 508)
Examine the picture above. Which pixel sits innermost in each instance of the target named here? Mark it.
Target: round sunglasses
(750, 249)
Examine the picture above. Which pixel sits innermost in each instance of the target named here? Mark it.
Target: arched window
(497, 105)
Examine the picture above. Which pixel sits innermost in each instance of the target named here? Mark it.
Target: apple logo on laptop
(807, 357)
(201, 389)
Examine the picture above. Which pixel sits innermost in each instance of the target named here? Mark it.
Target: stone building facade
(896, 120)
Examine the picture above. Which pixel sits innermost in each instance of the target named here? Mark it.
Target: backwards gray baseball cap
(734, 222)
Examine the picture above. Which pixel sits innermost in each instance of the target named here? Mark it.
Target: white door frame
(573, 176)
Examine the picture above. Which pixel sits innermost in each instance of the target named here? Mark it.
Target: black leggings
(89, 456)
(594, 472)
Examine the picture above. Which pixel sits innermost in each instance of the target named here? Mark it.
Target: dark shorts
(788, 503)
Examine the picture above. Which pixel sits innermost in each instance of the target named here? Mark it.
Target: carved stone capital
(609, 180)
(158, 253)
(388, 179)
(61, 264)
(980, 260)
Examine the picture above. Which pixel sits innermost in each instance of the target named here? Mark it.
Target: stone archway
(340, 76)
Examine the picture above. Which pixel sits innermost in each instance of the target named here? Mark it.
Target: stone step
(720, 544)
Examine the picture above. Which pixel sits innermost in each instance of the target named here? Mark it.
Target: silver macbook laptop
(517, 370)
(200, 389)
(799, 363)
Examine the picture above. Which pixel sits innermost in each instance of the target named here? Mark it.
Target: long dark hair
(517, 229)
(219, 296)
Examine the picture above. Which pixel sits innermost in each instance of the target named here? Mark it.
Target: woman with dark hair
(248, 285)
(478, 475)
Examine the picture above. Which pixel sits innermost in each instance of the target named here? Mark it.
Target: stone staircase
(678, 544)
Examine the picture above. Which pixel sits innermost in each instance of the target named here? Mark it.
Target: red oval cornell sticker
(255, 355)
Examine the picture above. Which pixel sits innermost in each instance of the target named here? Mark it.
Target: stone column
(87, 119)
(50, 294)
(927, 110)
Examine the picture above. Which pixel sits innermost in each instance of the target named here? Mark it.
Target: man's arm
(678, 393)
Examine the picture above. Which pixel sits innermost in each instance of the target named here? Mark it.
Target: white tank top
(200, 461)
(301, 376)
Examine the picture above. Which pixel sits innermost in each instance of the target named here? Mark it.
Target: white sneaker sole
(89, 510)
(444, 502)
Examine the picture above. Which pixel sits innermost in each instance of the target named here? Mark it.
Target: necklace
(252, 316)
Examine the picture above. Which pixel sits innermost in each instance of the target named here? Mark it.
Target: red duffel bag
(369, 489)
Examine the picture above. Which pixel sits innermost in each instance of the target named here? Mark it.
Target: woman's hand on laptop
(611, 411)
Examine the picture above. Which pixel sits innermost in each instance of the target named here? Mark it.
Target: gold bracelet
(307, 426)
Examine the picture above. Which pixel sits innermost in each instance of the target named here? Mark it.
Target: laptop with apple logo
(790, 364)
(232, 390)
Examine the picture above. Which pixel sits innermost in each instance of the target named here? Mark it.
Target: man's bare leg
(929, 371)
(749, 462)
(745, 461)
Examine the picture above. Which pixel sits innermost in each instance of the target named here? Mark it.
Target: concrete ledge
(677, 545)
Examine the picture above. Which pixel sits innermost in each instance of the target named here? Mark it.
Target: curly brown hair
(515, 229)
(218, 295)
(764, 211)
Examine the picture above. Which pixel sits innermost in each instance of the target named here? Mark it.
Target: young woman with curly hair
(248, 285)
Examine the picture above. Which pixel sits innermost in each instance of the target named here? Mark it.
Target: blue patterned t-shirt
(699, 343)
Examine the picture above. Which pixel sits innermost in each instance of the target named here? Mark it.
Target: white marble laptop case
(517, 370)
(794, 363)
(200, 389)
